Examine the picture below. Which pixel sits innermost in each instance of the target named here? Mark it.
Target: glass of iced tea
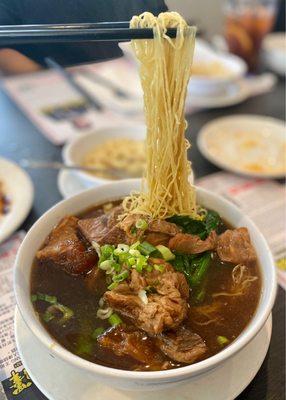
(246, 24)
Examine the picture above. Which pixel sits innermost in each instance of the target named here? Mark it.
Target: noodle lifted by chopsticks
(165, 72)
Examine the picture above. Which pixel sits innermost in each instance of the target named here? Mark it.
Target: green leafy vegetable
(193, 266)
(189, 225)
(212, 221)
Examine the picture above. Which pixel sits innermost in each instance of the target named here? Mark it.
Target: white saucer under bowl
(60, 381)
(69, 184)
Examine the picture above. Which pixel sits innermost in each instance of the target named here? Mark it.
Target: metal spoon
(117, 174)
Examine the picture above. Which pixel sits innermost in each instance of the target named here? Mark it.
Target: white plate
(236, 141)
(60, 381)
(18, 187)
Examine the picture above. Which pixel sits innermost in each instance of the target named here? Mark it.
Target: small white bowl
(274, 52)
(211, 84)
(133, 380)
(75, 150)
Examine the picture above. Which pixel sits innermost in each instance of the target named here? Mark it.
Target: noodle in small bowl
(134, 380)
(120, 148)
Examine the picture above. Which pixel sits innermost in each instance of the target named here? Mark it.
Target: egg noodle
(164, 71)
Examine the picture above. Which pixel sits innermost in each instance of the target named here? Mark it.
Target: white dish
(233, 93)
(75, 150)
(274, 52)
(18, 187)
(234, 68)
(133, 380)
(60, 381)
(246, 144)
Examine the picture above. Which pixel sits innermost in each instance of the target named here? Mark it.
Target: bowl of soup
(117, 153)
(145, 304)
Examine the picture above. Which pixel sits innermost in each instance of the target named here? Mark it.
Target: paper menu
(264, 201)
(15, 382)
(60, 112)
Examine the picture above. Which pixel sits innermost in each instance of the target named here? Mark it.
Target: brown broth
(231, 317)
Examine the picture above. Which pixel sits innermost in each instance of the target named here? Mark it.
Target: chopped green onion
(66, 312)
(133, 230)
(166, 253)
(113, 285)
(132, 261)
(34, 298)
(159, 267)
(141, 224)
(97, 332)
(48, 316)
(135, 253)
(47, 298)
(139, 268)
(120, 277)
(222, 340)
(114, 320)
(135, 245)
(106, 251)
(106, 265)
(84, 346)
(146, 248)
(121, 248)
(149, 268)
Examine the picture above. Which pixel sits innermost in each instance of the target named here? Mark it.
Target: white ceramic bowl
(75, 150)
(274, 52)
(133, 380)
(211, 84)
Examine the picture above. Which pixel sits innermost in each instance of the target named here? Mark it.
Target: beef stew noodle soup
(155, 281)
(177, 295)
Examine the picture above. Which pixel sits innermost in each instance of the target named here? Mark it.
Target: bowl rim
(186, 372)
(68, 148)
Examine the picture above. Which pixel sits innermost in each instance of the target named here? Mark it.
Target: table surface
(19, 139)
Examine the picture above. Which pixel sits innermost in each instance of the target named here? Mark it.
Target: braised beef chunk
(234, 246)
(64, 249)
(182, 345)
(156, 238)
(103, 229)
(162, 226)
(165, 308)
(128, 341)
(158, 231)
(192, 244)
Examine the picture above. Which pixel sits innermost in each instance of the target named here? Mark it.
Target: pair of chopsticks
(63, 33)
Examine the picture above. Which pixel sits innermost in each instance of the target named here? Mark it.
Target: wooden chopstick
(113, 31)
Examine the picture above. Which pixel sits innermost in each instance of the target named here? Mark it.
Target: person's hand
(12, 62)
